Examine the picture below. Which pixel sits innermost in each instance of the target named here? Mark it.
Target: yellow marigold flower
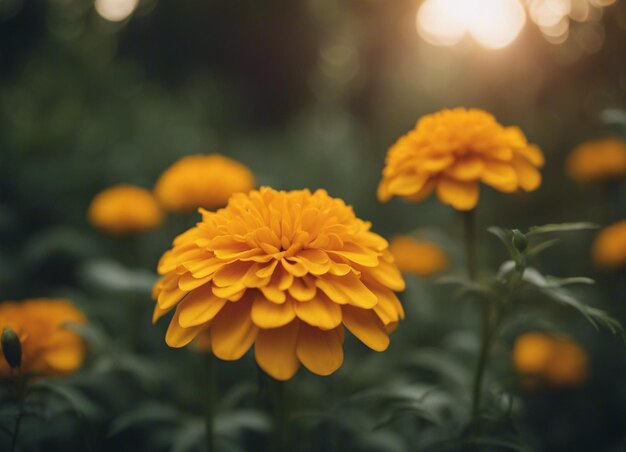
(48, 348)
(419, 257)
(609, 248)
(552, 359)
(452, 151)
(598, 160)
(124, 209)
(285, 271)
(202, 181)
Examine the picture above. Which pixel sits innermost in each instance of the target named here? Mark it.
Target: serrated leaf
(561, 227)
(505, 237)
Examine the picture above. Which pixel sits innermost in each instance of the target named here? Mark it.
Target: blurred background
(307, 94)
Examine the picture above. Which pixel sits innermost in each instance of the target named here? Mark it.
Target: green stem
(210, 402)
(469, 229)
(280, 416)
(20, 392)
(489, 327)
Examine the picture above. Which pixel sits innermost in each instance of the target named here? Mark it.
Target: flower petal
(176, 336)
(199, 307)
(267, 314)
(320, 351)
(366, 326)
(275, 351)
(232, 330)
(460, 195)
(319, 312)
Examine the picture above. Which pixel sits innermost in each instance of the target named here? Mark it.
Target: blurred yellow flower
(609, 248)
(419, 257)
(48, 348)
(202, 181)
(124, 209)
(551, 359)
(452, 151)
(596, 160)
(286, 271)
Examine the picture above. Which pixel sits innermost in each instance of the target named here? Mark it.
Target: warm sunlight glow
(493, 23)
(115, 10)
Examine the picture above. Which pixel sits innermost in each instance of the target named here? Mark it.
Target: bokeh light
(115, 10)
(493, 23)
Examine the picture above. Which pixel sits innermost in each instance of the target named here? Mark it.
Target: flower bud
(520, 242)
(11, 348)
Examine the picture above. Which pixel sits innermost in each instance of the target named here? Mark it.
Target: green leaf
(235, 422)
(561, 227)
(80, 404)
(507, 444)
(409, 410)
(595, 316)
(539, 248)
(560, 282)
(505, 237)
(149, 413)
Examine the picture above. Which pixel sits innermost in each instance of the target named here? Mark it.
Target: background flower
(48, 347)
(598, 160)
(285, 271)
(609, 248)
(451, 151)
(124, 209)
(419, 257)
(202, 181)
(552, 359)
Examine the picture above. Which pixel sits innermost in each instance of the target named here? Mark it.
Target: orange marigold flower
(202, 181)
(596, 160)
(551, 359)
(419, 257)
(48, 348)
(609, 248)
(124, 209)
(285, 271)
(452, 151)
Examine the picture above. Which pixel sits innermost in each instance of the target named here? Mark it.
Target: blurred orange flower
(286, 271)
(48, 348)
(598, 160)
(452, 151)
(124, 209)
(548, 358)
(609, 248)
(202, 181)
(419, 257)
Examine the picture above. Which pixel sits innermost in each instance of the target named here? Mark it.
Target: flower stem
(210, 402)
(20, 393)
(280, 416)
(469, 229)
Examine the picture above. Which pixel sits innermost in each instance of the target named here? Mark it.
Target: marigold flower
(285, 271)
(202, 181)
(609, 248)
(48, 348)
(419, 257)
(124, 209)
(451, 151)
(597, 160)
(551, 359)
